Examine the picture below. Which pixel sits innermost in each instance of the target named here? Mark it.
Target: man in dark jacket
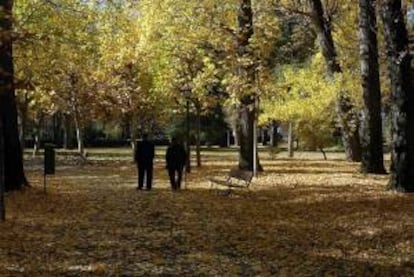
(175, 159)
(144, 156)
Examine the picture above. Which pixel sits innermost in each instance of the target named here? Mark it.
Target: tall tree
(348, 119)
(247, 109)
(402, 97)
(2, 187)
(371, 127)
(13, 159)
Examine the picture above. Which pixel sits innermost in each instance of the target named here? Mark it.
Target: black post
(49, 162)
(188, 150)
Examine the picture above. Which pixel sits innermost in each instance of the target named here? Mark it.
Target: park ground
(304, 217)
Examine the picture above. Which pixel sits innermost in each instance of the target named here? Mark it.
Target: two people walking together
(175, 162)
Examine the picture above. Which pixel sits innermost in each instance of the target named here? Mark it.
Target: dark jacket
(175, 156)
(144, 153)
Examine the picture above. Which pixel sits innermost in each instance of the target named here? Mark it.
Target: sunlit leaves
(307, 98)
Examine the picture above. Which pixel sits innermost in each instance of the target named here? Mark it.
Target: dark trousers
(175, 177)
(145, 171)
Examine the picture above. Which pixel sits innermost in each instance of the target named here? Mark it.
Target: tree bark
(13, 156)
(348, 120)
(133, 132)
(371, 125)
(57, 129)
(291, 140)
(2, 185)
(323, 153)
(235, 136)
(38, 134)
(274, 138)
(23, 120)
(77, 117)
(67, 132)
(79, 134)
(402, 97)
(198, 134)
(247, 110)
(245, 134)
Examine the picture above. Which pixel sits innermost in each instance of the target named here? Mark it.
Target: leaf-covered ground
(304, 217)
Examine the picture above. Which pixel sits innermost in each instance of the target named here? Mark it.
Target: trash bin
(49, 159)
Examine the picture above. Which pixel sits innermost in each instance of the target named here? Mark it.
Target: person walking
(175, 160)
(143, 157)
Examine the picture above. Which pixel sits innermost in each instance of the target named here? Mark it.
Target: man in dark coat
(144, 156)
(175, 159)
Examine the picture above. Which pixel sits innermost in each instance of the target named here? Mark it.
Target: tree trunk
(323, 153)
(79, 135)
(23, 121)
(347, 116)
(36, 143)
(133, 133)
(13, 159)
(371, 125)
(236, 136)
(402, 97)
(77, 117)
(2, 185)
(246, 132)
(198, 135)
(247, 110)
(37, 135)
(57, 129)
(291, 140)
(274, 139)
(67, 132)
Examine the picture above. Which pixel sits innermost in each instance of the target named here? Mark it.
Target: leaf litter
(303, 217)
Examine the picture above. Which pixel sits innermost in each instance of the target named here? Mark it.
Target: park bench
(236, 178)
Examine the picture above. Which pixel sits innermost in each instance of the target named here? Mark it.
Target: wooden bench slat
(236, 178)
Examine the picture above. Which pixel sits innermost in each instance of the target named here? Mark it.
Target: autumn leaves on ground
(303, 217)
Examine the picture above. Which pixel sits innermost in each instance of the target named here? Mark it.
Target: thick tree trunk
(245, 131)
(402, 96)
(2, 185)
(247, 110)
(347, 116)
(13, 159)
(350, 125)
(371, 125)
